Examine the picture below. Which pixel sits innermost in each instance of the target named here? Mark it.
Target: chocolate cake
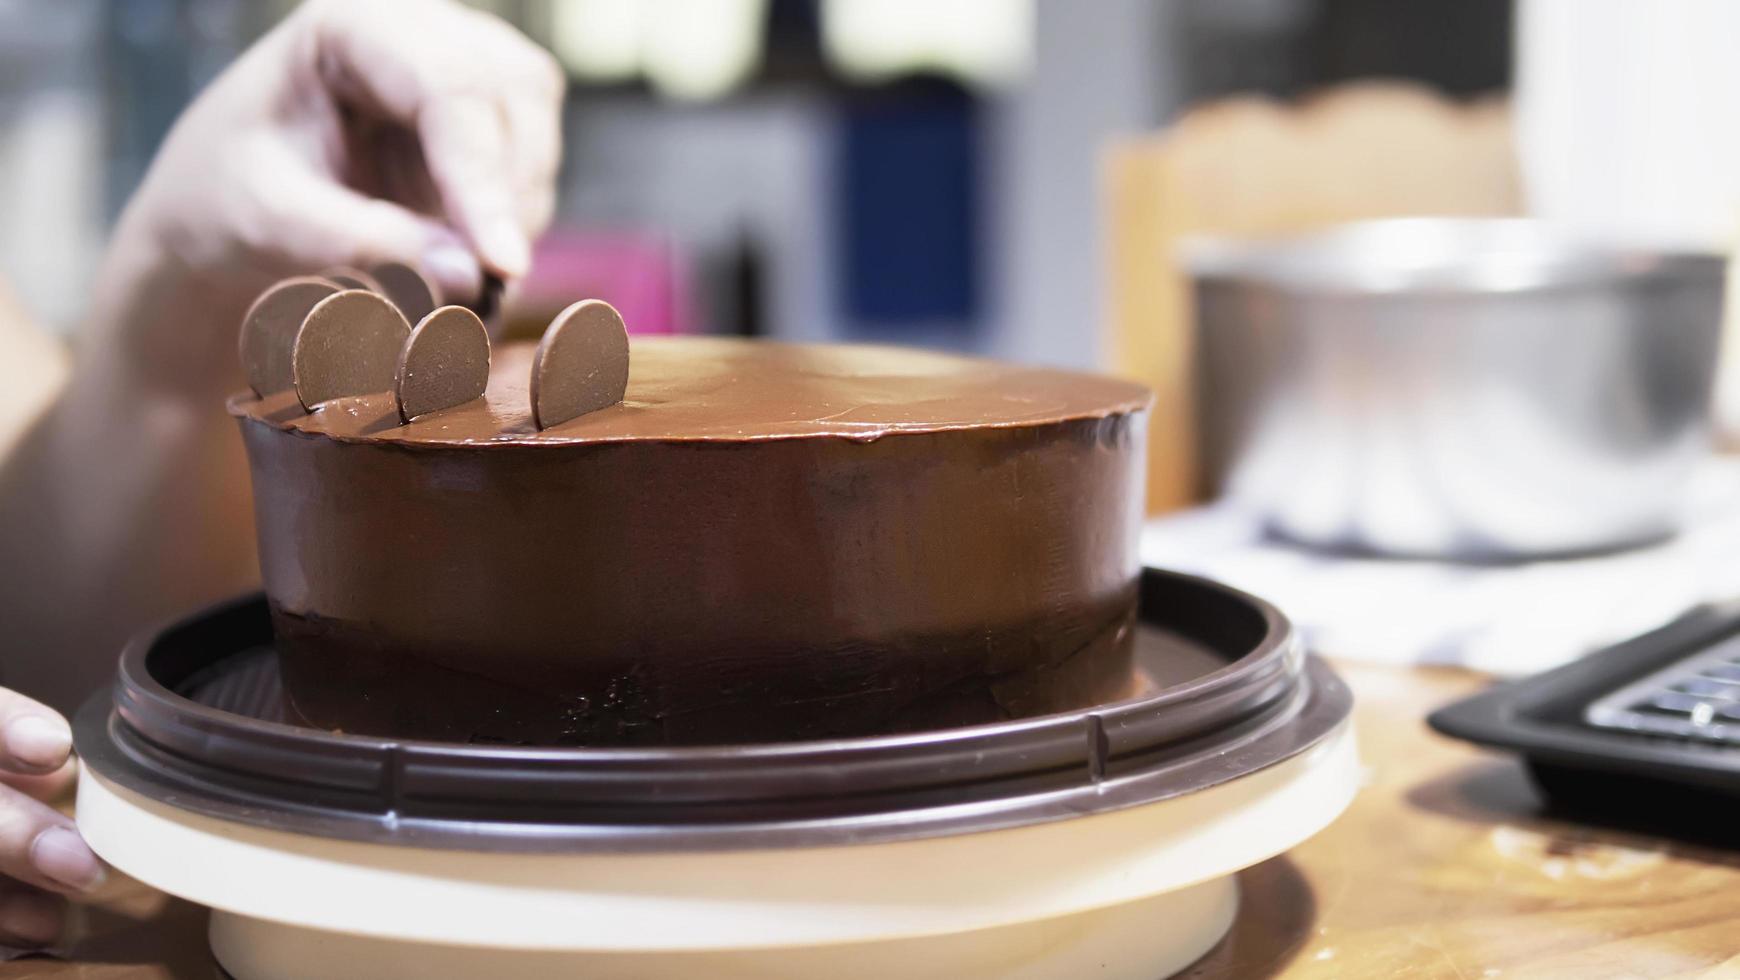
(760, 542)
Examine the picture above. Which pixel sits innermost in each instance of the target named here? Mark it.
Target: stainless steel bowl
(1484, 389)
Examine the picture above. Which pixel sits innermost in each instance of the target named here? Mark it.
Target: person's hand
(42, 857)
(414, 130)
(419, 131)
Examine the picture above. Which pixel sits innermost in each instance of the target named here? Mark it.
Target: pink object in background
(638, 273)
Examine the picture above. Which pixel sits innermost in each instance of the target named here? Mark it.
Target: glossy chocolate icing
(762, 542)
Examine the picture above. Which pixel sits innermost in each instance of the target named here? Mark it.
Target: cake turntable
(699, 657)
(1100, 840)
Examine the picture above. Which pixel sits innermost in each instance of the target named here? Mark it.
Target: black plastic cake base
(197, 717)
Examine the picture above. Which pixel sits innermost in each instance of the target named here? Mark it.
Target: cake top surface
(729, 389)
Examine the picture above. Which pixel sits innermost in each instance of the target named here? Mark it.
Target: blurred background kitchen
(1026, 179)
(878, 169)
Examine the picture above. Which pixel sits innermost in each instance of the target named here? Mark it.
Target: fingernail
(62, 855)
(38, 741)
(505, 245)
(452, 265)
(30, 918)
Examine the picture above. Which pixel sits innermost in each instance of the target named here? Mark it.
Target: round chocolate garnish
(269, 330)
(353, 278)
(348, 345)
(444, 363)
(408, 288)
(581, 364)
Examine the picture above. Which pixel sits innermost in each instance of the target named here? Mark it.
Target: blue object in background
(908, 211)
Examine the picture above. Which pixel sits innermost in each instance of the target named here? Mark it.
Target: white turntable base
(1136, 893)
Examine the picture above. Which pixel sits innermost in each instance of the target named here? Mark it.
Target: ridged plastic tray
(194, 722)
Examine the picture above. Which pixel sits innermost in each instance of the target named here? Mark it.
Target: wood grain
(1446, 866)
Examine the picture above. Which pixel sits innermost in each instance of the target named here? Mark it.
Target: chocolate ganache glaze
(761, 542)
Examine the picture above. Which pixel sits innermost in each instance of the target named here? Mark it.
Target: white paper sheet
(1510, 620)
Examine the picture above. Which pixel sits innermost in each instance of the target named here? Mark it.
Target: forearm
(128, 501)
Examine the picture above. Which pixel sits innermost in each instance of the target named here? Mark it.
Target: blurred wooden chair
(1251, 167)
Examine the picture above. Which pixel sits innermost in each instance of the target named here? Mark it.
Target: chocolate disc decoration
(444, 363)
(269, 330)
(352, 278)
(348, 345)
(581, 364)
(408, 288)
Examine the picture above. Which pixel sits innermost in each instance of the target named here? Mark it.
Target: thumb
(332, 224)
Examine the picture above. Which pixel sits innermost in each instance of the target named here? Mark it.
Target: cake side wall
(667, 592)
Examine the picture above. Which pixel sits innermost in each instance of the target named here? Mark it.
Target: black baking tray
(194, 722)
(1655, 782)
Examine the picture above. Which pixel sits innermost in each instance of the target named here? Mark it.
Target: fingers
(317, 222)
(465, 144)
(50, 788)
(40, 846)
(535, 135)
(29, 917)
(485, 102)
(33, 739)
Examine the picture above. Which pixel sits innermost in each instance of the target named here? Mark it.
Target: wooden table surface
(1443, 867)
